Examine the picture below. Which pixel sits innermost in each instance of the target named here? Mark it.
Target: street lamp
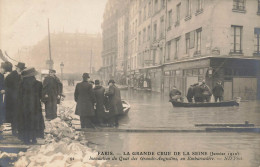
(61, 70)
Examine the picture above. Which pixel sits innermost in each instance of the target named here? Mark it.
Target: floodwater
(152, 110)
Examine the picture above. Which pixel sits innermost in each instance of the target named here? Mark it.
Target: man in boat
(85, 99)
(218, 92)
(190, 93)
(175, 94)
(197, 91)
(115, 103)
(99, 92)
(206, 94)
(52, 92)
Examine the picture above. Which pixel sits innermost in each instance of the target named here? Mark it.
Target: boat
(206, 104)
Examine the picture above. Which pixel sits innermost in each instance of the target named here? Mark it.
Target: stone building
(181, 42)
(215, 40)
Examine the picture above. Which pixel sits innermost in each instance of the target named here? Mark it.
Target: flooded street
(151, 110)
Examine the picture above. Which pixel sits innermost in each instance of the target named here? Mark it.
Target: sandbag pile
(64, 147)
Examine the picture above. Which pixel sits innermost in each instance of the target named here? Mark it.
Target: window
(198, 42)
(162, 27)
(237, 39)
(144, 13)
(162, 4)
(169, 18)
(140, 17)
(139, 38)
(258, 11)
(199, 6)
(149, 9)
(155, 6)
(238, 5)
(154, 56)
(187, 39)
(192, 39)
(169, 50)
(177, 42)
(148, 33)
(188, 9)
(178, 10)
(144, 35)
(257, 36)
(154, 31)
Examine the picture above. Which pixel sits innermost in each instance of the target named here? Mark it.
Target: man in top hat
(12, 83)
(115, 103)
(52, 91)
(85, 99)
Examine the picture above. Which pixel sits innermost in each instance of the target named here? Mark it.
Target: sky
(24, 22)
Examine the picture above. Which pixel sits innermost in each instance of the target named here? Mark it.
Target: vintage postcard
(130, 83)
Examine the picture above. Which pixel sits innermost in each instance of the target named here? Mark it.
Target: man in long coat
(12, 82)
(190, 93)
(52, 90)
(115, 103)
(206, 94)
(99, 92)
(85, 98)
(30, 118)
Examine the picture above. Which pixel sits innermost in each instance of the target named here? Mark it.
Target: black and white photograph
(129, 83)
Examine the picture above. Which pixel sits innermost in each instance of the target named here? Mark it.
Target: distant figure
(190, 93)
(30, 118)
(175, 94)
(85, 98)
(218, 92)
(115, 103)
(206, 92)
(12, 82)
(2, 94)
(52, 91)
(99, 92)
(197, 91)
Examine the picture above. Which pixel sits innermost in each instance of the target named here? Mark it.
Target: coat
(51, 87)
(206, 90)
(99, 92)
(12, 82)
(30, 117)
(190, 92)
(2, 102)
(197, 90)
(218, 90)
(174, 92)
(85, 98)
(114, 98)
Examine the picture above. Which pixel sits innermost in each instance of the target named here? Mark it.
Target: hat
(111, 81)
(7, 66)
(21, 65)
(85, 75)
(97, 82)
(28, 72)
(52, 71)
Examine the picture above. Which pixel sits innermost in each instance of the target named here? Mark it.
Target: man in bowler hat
(52, 91)
(85, 99)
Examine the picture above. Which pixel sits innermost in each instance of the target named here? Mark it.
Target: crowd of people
(199, 93)
(21, 100)
(92, 102)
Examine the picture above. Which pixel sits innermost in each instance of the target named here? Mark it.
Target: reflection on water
(153, 110)
(248, 146)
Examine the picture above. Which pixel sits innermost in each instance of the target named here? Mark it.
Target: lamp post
(61, 70)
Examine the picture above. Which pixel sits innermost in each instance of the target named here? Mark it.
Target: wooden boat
(210, 104)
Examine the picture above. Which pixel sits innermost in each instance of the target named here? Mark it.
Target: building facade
(79, 52)
(182, 42)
